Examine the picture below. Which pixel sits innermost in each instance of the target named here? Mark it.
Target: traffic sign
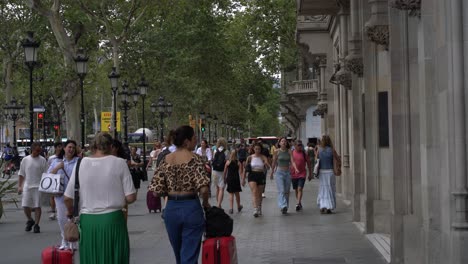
(106, 119)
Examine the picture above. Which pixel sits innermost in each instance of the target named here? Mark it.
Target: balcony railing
(304, 87)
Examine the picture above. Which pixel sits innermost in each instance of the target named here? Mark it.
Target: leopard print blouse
(185, 177)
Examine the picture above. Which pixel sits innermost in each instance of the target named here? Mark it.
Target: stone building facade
(388, 79)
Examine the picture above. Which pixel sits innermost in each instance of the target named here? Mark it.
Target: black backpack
(161, 156)
(242, 154)
(218, 223)
(219, 160)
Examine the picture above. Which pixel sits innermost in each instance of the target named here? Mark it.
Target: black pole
(82, 114)
(216, 131)
(114, 92)
(144, 132)
(209, 131)
(14, 133)
(125, 124)
(31, 110)
(161, 126)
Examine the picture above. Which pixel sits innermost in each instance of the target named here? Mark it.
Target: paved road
(305, 237)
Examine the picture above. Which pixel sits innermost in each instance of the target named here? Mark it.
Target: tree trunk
(72, 110)
(71, 96)
(7, 77)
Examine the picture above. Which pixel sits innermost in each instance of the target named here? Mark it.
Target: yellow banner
(106, 119)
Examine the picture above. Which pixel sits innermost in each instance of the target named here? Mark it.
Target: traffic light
(202, 127)
(56, 127)
(40, 120)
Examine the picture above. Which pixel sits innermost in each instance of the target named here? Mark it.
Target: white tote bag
(316, 168)
(51, 183)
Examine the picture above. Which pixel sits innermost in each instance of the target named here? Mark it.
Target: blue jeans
(185, 224)
(283, 184)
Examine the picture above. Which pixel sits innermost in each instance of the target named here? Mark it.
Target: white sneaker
(52, 216)
(64, 245)
(263, 195)
(255, 212)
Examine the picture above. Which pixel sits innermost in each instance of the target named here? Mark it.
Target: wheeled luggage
(219, 250)
(153, 201)
(54, 255)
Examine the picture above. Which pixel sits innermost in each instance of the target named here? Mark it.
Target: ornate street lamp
(81, 61)
(13, 112)
(223, 125)
(125, 106)
(31, 47)
(202, 118)
(208, 122)
(164, 109)
(114, 79)
(143, 87)
(215, 120)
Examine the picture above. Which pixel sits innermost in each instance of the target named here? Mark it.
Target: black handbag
(248, 168)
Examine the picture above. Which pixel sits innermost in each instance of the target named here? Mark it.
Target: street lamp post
(81, 61)
(14, 111)
(154, 108)
(143, 86)
(215, 120)
(208, 122)
(202, 118)
(223, 124)
(30, 54)
(114, 79)
(163, 109)
(125, 106)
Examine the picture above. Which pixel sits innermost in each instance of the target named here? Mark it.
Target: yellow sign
(106, 119)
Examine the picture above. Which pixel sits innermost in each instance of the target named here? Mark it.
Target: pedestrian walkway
(299, 238)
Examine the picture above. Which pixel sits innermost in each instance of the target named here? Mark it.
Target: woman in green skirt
(105, 187)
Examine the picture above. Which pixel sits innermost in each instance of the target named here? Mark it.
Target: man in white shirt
(30, 173)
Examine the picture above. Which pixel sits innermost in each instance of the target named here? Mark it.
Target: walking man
(298, 176)
(30, 173)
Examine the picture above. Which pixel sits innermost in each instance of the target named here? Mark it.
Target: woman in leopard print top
(182, 175)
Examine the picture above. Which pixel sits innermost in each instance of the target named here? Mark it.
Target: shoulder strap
(76, 200)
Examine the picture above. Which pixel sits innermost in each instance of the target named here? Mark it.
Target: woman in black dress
(232, 170)
(136, 167)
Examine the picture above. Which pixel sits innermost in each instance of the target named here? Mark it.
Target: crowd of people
(184, 173)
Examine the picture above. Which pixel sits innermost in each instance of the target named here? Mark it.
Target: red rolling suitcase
(53, 255)
(219, 250)
(153, 202)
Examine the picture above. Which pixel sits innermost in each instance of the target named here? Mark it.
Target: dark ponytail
(179, 135)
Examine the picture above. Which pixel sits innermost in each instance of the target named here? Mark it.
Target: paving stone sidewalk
(299, 237)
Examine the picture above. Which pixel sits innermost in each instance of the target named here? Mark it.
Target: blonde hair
(326, 141)
(221, 142)
(233, 156)
(102, 142)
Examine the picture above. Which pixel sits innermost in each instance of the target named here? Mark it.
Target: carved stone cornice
(343, 77)
(322, 109)
(413, 6)
(354, 64)
(379, 34)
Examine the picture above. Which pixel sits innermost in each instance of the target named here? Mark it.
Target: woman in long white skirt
(326, 199)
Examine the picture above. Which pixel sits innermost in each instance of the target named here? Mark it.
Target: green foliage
(205, 55)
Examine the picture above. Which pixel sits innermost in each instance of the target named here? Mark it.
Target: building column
(354, 64)
(322, 105)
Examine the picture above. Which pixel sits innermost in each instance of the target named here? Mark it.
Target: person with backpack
(221, 155)
(298, 178)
